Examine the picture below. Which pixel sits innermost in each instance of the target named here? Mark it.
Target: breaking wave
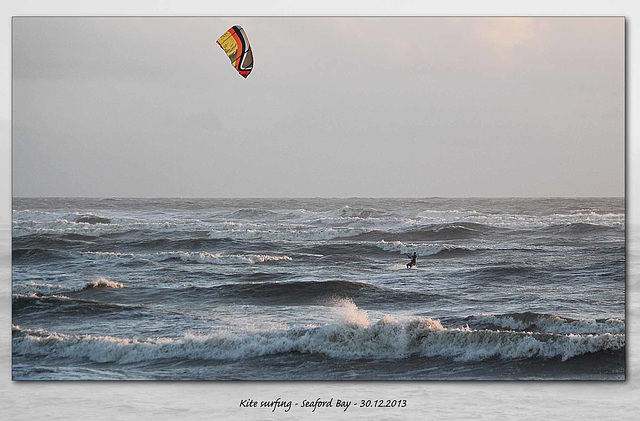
(223, 259)
(102, 283)
(285, 234)
(42, 289)
(190, 257)
(353, 337)
(548, 323)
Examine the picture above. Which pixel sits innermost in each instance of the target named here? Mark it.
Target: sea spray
(350, 314)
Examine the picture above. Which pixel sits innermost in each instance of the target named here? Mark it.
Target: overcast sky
(334, 107)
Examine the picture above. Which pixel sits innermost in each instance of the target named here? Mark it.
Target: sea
(318, 289)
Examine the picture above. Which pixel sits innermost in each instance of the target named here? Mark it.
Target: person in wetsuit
(413, 258)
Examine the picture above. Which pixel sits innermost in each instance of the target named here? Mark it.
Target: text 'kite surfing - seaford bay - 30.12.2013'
(236, 44)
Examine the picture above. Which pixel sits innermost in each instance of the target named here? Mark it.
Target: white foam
(507, 220)
(285, 233)
(34, 289)
(222, 259)
(196, 257)
(67, 225)
(103, 283)
(105, 255)
(555, 324)
(353, 336)
(36, 295)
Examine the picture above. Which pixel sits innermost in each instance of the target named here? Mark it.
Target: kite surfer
(414, 258)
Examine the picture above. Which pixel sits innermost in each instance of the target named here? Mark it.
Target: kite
(236, 44)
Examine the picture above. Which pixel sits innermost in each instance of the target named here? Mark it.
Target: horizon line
(318, 197)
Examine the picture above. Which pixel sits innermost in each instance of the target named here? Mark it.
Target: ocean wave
(498, 271)
(353, 337)
(251, 213)
(357, 212)
(102, 283)
(285, 233)
(115, 227)
(262, 276)
(51, 242)
(89, 218)
(68, 228)
(47, 289)
(63, 299)
(588, 212)
(548, 323)
(578, 228)
(433, 232)
(194, 240)
(448, 250)
(190, 257)
(145, 240)
(452, 250)
(355, 250)
(345, 213)
(520, 221)
(62, 304)
(37, 255)
(40, 288)
(21, 301)
(260, 288)
(310, 292)
(224, 259)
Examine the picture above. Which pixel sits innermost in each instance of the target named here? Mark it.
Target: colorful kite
(236, 44)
